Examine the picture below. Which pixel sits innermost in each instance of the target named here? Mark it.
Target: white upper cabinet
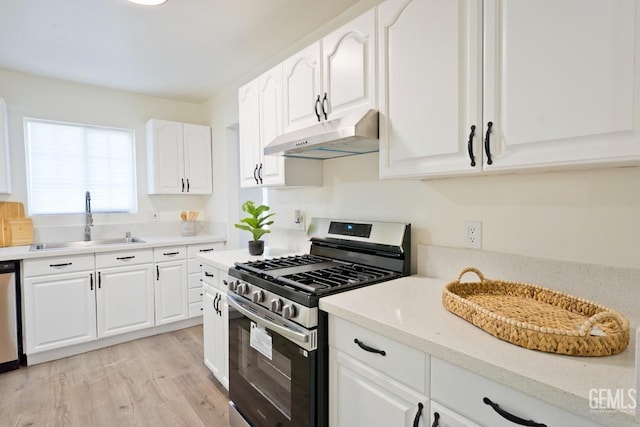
(302, 88)
(349, 67)
(333, 76)
(179, 158)
(430, 89)
(561, 82)
(5, 172)
(271, 168)
(558, 81)
(261, 121)
(249, 133)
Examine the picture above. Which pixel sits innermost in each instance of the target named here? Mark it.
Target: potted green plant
(255, 223)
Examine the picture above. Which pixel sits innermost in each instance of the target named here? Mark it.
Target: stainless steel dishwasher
(10, 336)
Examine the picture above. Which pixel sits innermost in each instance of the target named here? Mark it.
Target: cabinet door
(222, 334)
(166, 157)
(125, 299)
(209, 315)
(5, 170)
(60, 310)
(348, 64)
(271, 168)
(561, 87)
(440, 416)
(171, 292)
(362, 396)
(430, 89)
(249, 133)
(197, 159)
(302, 86)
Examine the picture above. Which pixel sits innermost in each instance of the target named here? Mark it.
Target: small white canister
(188, 228)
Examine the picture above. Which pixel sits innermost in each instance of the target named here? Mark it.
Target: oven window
(271, 378)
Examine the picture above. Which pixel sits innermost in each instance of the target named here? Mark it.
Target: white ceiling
(185, 49)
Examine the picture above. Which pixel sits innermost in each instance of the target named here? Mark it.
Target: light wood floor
(155, 381)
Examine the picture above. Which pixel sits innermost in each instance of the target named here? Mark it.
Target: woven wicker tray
(537, 318)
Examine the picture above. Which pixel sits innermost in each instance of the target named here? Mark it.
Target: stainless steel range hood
(346, 136)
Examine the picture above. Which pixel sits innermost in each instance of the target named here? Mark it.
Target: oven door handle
(285, 328)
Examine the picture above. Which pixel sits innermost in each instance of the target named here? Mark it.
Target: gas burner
(344, 255)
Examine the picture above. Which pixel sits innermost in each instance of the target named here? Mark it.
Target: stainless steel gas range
(278, 354)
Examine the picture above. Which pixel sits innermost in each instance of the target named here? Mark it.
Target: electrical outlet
(154, 216)
(298, 220)
(473, 234)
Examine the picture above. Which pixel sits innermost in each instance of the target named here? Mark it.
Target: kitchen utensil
(183, 215)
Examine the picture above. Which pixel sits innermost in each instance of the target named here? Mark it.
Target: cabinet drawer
(399, 362)
(169, 253)
(193, 250)
(194, 266)
(195, 280)
(116, 259)
(55, 265)
(195, 295)
(464, 392)
(210, 275)
(195, 309)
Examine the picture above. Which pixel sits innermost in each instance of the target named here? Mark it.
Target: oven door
(272, 369)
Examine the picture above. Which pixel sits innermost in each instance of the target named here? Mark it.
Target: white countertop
(24, 252)
(410, 311)
(223, 260)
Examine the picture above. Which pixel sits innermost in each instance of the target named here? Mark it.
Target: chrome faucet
(88, 218)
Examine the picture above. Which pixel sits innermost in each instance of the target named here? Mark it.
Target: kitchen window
(64, 160)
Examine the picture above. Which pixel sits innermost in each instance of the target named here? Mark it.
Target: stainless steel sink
(84, 243)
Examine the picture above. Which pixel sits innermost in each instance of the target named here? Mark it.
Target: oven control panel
(305, 316)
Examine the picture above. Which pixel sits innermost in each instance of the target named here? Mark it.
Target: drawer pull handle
(170, 253)
(125, 258)
(206, 250)
(369, 349)
(416, 420)
(436, 419)
(64, 264)
(514, 419)
(208, 274)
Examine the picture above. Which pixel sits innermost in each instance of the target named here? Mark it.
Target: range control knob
(243, 289)
(233, 285)
(276, 305)
(257, 296)
(289, 311)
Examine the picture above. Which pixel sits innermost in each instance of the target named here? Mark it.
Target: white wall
(588, 216)
(31, 96)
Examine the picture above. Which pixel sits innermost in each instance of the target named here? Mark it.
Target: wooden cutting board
(16, 232)
(11, 210)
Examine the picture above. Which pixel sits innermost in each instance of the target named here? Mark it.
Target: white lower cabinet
(441, 416)
(60, 310)
(124, 299)
(374, 381)
(171, 290)
(194, 269)
(489, 403)
(216, 323)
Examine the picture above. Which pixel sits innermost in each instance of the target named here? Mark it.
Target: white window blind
(64, 160)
